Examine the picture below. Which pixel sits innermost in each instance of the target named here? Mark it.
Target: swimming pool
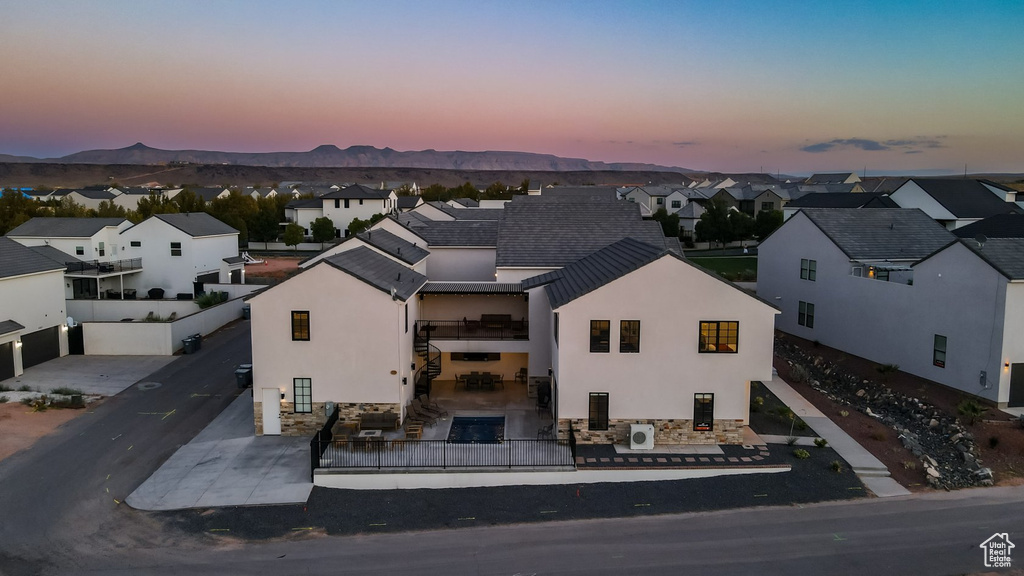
(477, 430)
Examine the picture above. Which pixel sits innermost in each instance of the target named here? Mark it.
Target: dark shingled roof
(234, 260)
(472, 288)
(47, 227)
(580, 193)
(207, 194)
(378, 271)
(483, 233)
(358, 191)
(467, 202)
(18, 260)
(468, 213)
(848, 200)
(998, 226)
(407, 202)
(96, 194)
(54, 254)
(196, 224)
(828, 178)
(1004, 254)
(8, 326)
(305, 203)
(882, 233)
(591, 272)
(537, 231)
(387, 242)
(965, 198)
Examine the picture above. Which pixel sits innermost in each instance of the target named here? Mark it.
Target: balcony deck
(94, 268)
(473, 329)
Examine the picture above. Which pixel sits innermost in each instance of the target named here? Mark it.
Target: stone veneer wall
(665, 432)
(293, 424)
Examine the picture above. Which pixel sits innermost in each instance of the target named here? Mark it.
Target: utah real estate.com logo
(997, 550)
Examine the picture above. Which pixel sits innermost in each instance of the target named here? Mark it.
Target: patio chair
(429, 405)
(415, 414)
(546, 431)
(521, 376)
(425, 409)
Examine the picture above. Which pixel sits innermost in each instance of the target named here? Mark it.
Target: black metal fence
(321, 440)
(386, 454)
(475, 329)
(96, 267)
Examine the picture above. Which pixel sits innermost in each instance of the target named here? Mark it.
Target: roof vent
(980, 239)
(399, 279)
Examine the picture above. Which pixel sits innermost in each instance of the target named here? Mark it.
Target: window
(767, 206)
(719, 337)
(599, 335)
(677, 203)
(805, 316)
(939, 351)
(703, 412)
(79, 251)
(661, 201)
(881, 274)
(103, 252)
(360, 201)
(346, 202)
(303, 393)
(337, 203)
(300, 325)
(175, 248)
(556, 328)
(136, 243)
(598, 411)
(808, 269)
(406, 309)
(629, 336)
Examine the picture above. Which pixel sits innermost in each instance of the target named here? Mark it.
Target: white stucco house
(33, 326)
(545, 291)
(954, 202)
(895, 287)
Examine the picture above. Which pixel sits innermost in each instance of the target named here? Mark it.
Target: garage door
(38, 347)
(6, 360)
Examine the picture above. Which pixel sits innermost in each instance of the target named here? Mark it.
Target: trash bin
(243, 377)
(190, 345)
(199, 340)
(246, 311)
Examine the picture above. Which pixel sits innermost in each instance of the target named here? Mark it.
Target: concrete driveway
(99, 375)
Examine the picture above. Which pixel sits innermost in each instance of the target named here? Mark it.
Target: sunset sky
(729, 86)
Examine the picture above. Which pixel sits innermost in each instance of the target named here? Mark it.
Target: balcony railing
(482, 329)
(96, 268)
(404, 455)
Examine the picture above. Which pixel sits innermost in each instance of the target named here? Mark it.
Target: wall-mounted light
(1006, 364)
(64, 327)
(17, 344)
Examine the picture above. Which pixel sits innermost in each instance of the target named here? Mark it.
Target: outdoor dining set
(481, 381)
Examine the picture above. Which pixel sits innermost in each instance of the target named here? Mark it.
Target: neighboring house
(179, 252)
(91, 199)
(379, 239)
(826, 200)
(834, 178)
(406, 203)
(463, 203)
(33, 325)
(689, 215)
(650, 198)
(1010, 225)
(952, 202)
(751, 200)
(356, 201)
(303, 212)
(1002, 192)
(895, 287)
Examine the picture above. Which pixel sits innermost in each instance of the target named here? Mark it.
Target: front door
(6, 360)
(271, 412)
(1016, 386)
(83, 288)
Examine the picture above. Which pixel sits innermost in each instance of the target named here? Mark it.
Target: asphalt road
(63, 499)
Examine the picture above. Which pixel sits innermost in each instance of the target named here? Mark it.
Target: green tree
(293, 235)
(68, 208)
(434, 192)
(107, 209)
(156, 203)
(357, 225)
(404, 190)
(323, 230)
(766, 222)
(189, 201)
(15, 210)
(524, 186)
(741, 225)
(265, 228)
(713, 225)
(669, 222)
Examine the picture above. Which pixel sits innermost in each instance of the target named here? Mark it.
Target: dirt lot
(20, 427)
(275, 267)
(1005, 458)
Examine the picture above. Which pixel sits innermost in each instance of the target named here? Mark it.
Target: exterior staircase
(431, 367)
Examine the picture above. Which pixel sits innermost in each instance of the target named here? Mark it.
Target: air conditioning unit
(641, 437)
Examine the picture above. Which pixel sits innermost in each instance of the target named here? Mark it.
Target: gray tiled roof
(8, 326)
(96, 194)
(196, 224)
(18, 260)
(49, 227)
(207, 194)
(591, 272)
(483, 233)
(467, 202)
(998, 226)
(468, 213)
(539, 232)
(965, 198)
(580, 193)
(408, 202)
(472, 288)
(691, 210)
(378, 271)
(387, 242)
(234, 260)
(850, 200)
(1005, 254)
(358, 191)
(54, 254)
(882, 233)
(828, 178)
(300, 203)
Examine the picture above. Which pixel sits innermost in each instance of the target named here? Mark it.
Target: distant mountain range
(330, 156)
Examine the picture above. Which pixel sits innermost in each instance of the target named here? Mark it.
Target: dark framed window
(881, 274)
(805, 314)
(300, 325)
(808, 269)
(600, 335)
(703, 412)
(337, 203)
(136, 243)
(360, 201)
(406, 309)
(677, 203)
(79, 250)
(175, 248)
(346, 202)
(939, 351)
(303, 394)
(767, 206)
(598, 414)
(103, 251)
(720, 337)
(629, 336)
(661, 201)
(556, 328)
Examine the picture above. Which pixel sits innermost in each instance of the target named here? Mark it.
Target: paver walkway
(871, 470)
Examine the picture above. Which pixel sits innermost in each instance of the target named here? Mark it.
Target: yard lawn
(731, 267)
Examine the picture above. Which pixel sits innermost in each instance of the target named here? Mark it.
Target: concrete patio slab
(102, 375)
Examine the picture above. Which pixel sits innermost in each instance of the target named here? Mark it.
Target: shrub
(836, 466)
(784, 412)
(993, 441)
(66, 391)
(844, 413)
(971, 410)
(4, 399)
(26, 401)
(756, 404)
(801, 453)
(820, 442)
(799, 374)
(800, 425)
(886, 369)
(909, 465)
(24, 388)
(209, 299)
(879, 435)
(6, 388)
(791, 440)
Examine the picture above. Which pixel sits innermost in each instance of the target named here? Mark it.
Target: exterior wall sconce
(63, 327)
(17, 344)
(1006, 364)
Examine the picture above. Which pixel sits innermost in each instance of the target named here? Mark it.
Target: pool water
(477, 430)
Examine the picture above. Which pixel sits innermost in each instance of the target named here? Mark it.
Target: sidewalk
(226, 465)
(869, 469)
